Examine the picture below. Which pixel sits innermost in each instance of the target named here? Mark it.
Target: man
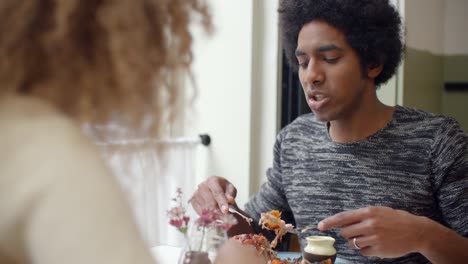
(386, 182)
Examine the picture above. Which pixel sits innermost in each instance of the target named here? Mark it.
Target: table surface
(170, 254)
(166, 254)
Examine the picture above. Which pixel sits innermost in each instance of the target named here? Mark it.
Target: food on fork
(272, 221)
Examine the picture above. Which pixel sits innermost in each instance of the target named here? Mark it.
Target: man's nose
(314, 73)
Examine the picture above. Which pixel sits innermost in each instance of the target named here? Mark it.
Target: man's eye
(331, 60)
(303, 64)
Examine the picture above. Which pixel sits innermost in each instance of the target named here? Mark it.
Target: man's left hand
(379, 231)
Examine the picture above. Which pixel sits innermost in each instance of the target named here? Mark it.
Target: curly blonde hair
(98, 59)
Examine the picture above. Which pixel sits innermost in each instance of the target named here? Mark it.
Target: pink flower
(207, 217)
(177, 214)
(176, 222)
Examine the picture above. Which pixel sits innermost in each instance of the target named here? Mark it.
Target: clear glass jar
(202, 244)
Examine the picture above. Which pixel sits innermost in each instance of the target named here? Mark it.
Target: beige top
(58, 202)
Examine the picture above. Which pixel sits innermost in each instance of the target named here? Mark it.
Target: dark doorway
(293, 103)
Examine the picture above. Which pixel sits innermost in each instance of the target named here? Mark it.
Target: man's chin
(322, 117)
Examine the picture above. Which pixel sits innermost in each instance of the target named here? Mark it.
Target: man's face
(329, 71)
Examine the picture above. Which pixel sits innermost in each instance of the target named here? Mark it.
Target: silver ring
(355, 243)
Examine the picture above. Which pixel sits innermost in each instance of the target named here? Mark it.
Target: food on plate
(287, 261)
(299, 260)
(261, 244)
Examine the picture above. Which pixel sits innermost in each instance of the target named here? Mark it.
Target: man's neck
(362, 123)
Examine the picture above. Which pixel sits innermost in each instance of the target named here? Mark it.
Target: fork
(297, 231)
(234, 211)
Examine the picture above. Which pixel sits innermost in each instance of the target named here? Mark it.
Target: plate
(290, 255)
(293, 255)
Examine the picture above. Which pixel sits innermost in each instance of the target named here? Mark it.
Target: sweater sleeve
(271, 195)
(58, 201)
(450, 171)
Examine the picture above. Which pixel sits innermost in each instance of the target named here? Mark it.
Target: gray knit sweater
(418, 163)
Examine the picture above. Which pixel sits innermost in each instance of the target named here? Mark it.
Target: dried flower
(177, 215)
(209, 218)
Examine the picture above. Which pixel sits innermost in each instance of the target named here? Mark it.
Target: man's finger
(206, 198)
(196, 206)
(367, 245)
(220, 197)
(231, 192)
(341, 219)
(354, 230)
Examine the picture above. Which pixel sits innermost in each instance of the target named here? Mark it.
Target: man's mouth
(317, 97)
(317, 101)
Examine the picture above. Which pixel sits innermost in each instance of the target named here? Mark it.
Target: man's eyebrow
(328, 48)
(324, 48)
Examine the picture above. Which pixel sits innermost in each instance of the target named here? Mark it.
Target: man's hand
(379, 231)
(215, 192)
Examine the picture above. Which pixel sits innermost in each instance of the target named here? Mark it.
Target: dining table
(166, 254)
(170, 255)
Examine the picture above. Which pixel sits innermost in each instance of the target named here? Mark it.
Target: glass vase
(202, 244)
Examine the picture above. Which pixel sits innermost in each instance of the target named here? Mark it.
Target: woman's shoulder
(32, 132)
(24, 119)
(21, 110)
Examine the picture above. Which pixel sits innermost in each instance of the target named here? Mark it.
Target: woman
(65, 63)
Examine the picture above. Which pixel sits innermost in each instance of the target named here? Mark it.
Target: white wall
(390, 92)
(455, 103)
(425, 24)
(455, 27)
(265, 90)
(236, 73)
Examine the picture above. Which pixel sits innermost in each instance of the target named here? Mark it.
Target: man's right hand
(215, 192)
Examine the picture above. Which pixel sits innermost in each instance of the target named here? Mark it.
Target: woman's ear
(374, 70)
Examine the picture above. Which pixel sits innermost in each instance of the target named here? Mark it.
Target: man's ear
(374, 70)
